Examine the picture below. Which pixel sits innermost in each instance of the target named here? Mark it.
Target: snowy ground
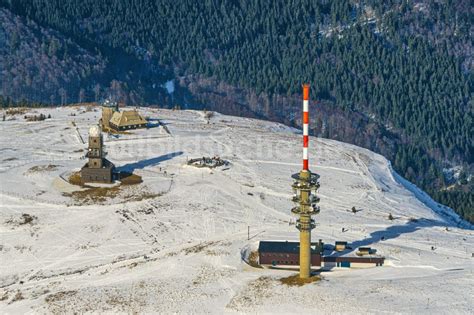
(181, 250)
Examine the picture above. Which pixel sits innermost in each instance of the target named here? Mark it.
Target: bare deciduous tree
(97, 92)
(63, 94)
(82, 95)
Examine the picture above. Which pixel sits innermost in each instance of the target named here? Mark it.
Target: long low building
(285, 254)
(353, 261)
(113, 118)
(125, 120)
(273, 253)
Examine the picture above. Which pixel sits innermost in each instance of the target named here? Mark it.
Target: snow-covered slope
(174, 242)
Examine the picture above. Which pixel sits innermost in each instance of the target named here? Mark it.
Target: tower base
(98, 175)
(305, 254)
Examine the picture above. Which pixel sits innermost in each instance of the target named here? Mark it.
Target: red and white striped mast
(305, 126)
(304, 189)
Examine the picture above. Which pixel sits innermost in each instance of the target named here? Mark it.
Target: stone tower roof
(94, 131)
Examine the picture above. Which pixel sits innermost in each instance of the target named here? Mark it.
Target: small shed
(340, 246)
(364, 251)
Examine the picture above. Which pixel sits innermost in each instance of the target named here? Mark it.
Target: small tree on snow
(390, 217)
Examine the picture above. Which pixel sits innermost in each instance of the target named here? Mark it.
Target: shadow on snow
(392, 232)
(149, 162)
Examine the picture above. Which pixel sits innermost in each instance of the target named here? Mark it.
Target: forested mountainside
(393, 76)
(41, 64)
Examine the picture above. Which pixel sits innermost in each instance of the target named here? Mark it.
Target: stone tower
(96, 148)
(98, 168)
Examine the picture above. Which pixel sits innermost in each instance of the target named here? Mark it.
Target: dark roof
(282, 247)
(341, 243)
(354, 259)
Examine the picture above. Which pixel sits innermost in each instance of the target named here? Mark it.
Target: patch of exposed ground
(42, 168)
(23, 219)
(198, 248)
(295, 280)
(100, 195)
(126, 179)
(93, 195)
(265, 290)
(17, 297)
(75, 179)
(4, 296)
(210, 273)
(216, 252)
(126, 190)
(160, 296)
(253, 259)
(254, 293)
(58, 296)
(212, 248)
(130, 179)
(17, 111)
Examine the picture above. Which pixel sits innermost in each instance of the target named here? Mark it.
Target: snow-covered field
(178, 246)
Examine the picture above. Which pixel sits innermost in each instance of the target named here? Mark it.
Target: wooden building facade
(273, 253)
(281, 254)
